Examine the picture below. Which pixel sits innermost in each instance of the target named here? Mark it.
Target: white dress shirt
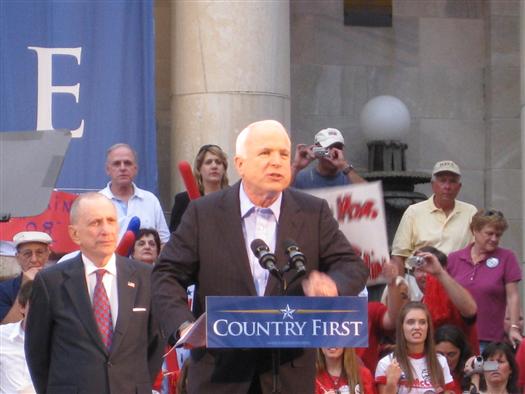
(14, 374)
(109, 280)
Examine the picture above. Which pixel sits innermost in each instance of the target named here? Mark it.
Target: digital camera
(480, 366)
(319, 151)
(415, 261)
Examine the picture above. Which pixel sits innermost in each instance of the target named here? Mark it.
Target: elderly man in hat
(441, 221)
(332, 169)
(32, 253)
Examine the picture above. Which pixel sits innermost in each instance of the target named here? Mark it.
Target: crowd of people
(99, 322)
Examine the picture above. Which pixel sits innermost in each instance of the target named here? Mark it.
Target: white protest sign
(360, 212)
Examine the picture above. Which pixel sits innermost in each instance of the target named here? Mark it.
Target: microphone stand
(276, 352)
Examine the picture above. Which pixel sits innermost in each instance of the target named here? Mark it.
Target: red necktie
(102, 310)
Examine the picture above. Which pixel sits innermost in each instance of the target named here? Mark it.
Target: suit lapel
(229, 208)
(76, 287)
(127, 290)
(290, 222)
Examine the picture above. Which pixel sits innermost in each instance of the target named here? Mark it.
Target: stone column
(522, 111)
(231, 66)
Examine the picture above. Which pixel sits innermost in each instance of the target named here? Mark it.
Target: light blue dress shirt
(259, 223)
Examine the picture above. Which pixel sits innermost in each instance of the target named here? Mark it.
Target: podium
(280, 322)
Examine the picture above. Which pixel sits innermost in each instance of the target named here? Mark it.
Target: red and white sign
(360, 212)
(54, 221)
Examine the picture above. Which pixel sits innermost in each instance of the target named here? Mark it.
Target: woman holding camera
(491, 274)
(495, 372)
(414, 367)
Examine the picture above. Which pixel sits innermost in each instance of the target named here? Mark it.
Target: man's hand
(432, 265)
(319, 285)
(515, 336)
(30, 274)
(303, 156)
(390, 271)
(337, 157)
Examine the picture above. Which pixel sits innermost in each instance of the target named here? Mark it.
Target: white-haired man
(219, 261)
(130, 200)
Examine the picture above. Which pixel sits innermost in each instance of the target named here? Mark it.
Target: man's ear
(238, 161)
(73, 233)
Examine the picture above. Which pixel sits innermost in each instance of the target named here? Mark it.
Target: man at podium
(211, 249)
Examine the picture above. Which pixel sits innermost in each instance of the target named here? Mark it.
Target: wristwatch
(347, 169)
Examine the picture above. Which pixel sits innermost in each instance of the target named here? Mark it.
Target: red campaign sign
(54, 221)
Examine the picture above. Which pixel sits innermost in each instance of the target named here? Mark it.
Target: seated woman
(147, 246)
(451, 343)
(414, 367)
(500, 379)
(339, 371)
(209, 170)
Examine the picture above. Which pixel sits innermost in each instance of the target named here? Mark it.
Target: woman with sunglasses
(491, 274)
(209, 170)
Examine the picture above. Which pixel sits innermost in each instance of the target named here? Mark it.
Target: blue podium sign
(286, 322)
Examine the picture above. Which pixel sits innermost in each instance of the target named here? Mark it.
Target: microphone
(266, 258)
(296, 258)
(189, 180)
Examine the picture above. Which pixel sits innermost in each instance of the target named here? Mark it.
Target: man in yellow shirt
(441, 221)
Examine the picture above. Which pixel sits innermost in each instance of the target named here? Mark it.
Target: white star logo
(287, 312)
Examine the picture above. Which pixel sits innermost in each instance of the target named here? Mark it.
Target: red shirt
(520, 360)
(324, 383)
(370, 355)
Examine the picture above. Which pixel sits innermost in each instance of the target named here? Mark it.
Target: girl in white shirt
(414, 367)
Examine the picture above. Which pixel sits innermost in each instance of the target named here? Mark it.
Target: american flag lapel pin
(131, 284)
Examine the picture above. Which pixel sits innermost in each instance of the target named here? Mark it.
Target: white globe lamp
(385, 118)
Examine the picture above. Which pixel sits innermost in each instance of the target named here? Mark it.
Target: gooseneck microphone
(296, 258)
(266, 258)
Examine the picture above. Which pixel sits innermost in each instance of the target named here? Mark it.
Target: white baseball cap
(31, 236)
(446, 166)
(329, 136)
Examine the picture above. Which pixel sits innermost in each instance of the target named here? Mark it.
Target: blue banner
(87, 66)
(284, 322)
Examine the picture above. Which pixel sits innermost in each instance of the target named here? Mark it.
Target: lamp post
(385, 121)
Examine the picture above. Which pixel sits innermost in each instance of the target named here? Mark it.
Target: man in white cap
(32, 253)
(332, 168)
(441, 221)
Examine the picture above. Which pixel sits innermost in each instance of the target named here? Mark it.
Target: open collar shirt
(259, 223)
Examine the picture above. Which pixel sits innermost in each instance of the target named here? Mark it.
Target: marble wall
(454, 63)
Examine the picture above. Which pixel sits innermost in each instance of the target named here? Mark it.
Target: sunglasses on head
(493, 212)
(207, 147)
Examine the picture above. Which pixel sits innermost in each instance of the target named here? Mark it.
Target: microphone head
(290, 245)
(257, 246)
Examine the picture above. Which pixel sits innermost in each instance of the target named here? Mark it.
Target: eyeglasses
(39, 254)
(206, 147)
(493, 212)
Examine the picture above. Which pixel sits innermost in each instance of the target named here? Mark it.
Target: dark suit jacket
(208, 249)
(64, 351)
